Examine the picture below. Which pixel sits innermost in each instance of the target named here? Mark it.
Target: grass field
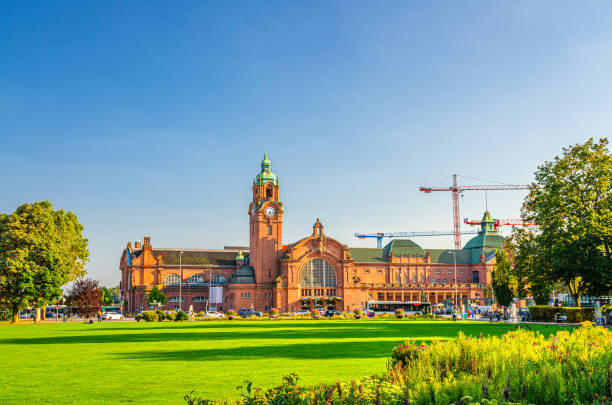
(157, 363)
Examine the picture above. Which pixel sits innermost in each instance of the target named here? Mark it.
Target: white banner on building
(216, 295)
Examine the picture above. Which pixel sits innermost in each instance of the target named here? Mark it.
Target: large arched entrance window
(317, 279)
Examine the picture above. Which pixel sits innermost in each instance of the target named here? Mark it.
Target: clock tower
(266, 225)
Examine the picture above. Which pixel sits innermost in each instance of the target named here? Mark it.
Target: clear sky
(151, 118)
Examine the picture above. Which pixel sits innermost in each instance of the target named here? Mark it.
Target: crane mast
(456, 190)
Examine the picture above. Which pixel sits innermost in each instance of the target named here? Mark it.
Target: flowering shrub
(273, 313)
(518, 367)
(149, 316)
(231, 313)
(315, 313)
(358, 312)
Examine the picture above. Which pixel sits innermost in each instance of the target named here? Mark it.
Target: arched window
(218, 279)
(172, 279)
(199, 299)
(317, 273)
(176, 299)
(196, 279)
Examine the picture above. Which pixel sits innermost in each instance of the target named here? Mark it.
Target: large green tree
(41, 249)
(571, 202)
(503, 280)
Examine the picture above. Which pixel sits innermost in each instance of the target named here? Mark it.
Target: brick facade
(268, 274)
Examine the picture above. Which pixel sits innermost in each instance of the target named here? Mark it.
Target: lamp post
(181, 281)
(455, 261)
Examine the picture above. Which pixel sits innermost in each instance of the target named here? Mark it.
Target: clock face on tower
(270, 211)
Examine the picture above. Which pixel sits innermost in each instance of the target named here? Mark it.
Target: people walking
(455, 315)
(99, 316)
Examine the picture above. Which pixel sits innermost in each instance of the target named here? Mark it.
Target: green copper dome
(266, 175)
(240, 256)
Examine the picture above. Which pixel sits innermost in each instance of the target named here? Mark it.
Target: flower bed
(518, 367)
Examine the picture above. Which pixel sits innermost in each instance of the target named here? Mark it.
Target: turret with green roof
(266, 175)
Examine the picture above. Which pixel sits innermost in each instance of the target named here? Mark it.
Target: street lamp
(455, 260)
(181, 281)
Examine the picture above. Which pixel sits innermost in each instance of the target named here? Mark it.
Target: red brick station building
(316, 271)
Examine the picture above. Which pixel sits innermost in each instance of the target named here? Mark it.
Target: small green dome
(240, 256)
(266, 175)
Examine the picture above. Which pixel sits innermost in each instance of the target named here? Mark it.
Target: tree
(531, 269)
(41, 249)
(106, 297)
(156, 296)
(571, 202)
(503, 281)
(85, 297)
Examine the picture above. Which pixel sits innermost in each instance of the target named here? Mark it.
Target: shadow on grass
(289, 331)
(301, 351)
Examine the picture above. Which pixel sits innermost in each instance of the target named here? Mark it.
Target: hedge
(574, 314)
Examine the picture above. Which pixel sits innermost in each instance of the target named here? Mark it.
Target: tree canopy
(41, 249)
(85, 297)
(503, 281)
(156, 296)
(571, 202)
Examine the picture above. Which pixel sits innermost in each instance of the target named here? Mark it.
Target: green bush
(138, 317)
(181, 316)
(315, 312)
(160, 315)
(170, 316)
(150, 316)
(574, 314)
(543, 313)
(273, 313)
(577, 315)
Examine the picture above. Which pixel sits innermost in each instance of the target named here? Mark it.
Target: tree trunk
(43, 313)
(574, 289)
(36, 315)
(15, 315)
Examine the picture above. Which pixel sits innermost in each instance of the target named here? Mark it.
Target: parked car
(246, 312)
(524, 314)
(111, 315)
(330, 312)
(559, 317)
(213, 314)
(301, 312)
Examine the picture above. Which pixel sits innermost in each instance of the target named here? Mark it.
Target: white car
(111, 315)
(213, 314)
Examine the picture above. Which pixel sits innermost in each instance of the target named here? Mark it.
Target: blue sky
(151, 118)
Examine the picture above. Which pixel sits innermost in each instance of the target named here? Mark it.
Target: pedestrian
(455, 315)
(99, 316)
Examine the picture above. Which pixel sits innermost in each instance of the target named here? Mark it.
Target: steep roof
(404, 247)
(245, 275)
(367, 255)
(486, 243)
(195, 257)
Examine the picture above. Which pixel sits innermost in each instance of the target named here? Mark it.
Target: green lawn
(157, 363)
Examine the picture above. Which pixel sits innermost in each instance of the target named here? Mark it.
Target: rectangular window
(269, 229)
(439, 281)
(379, 271)
(406, 278)
(366, 271)
(414, 278)
(438, 272)
(475, 277)
(462, 272)
(450, 272)
(444, 281)
(398, 278)
(422, 279)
